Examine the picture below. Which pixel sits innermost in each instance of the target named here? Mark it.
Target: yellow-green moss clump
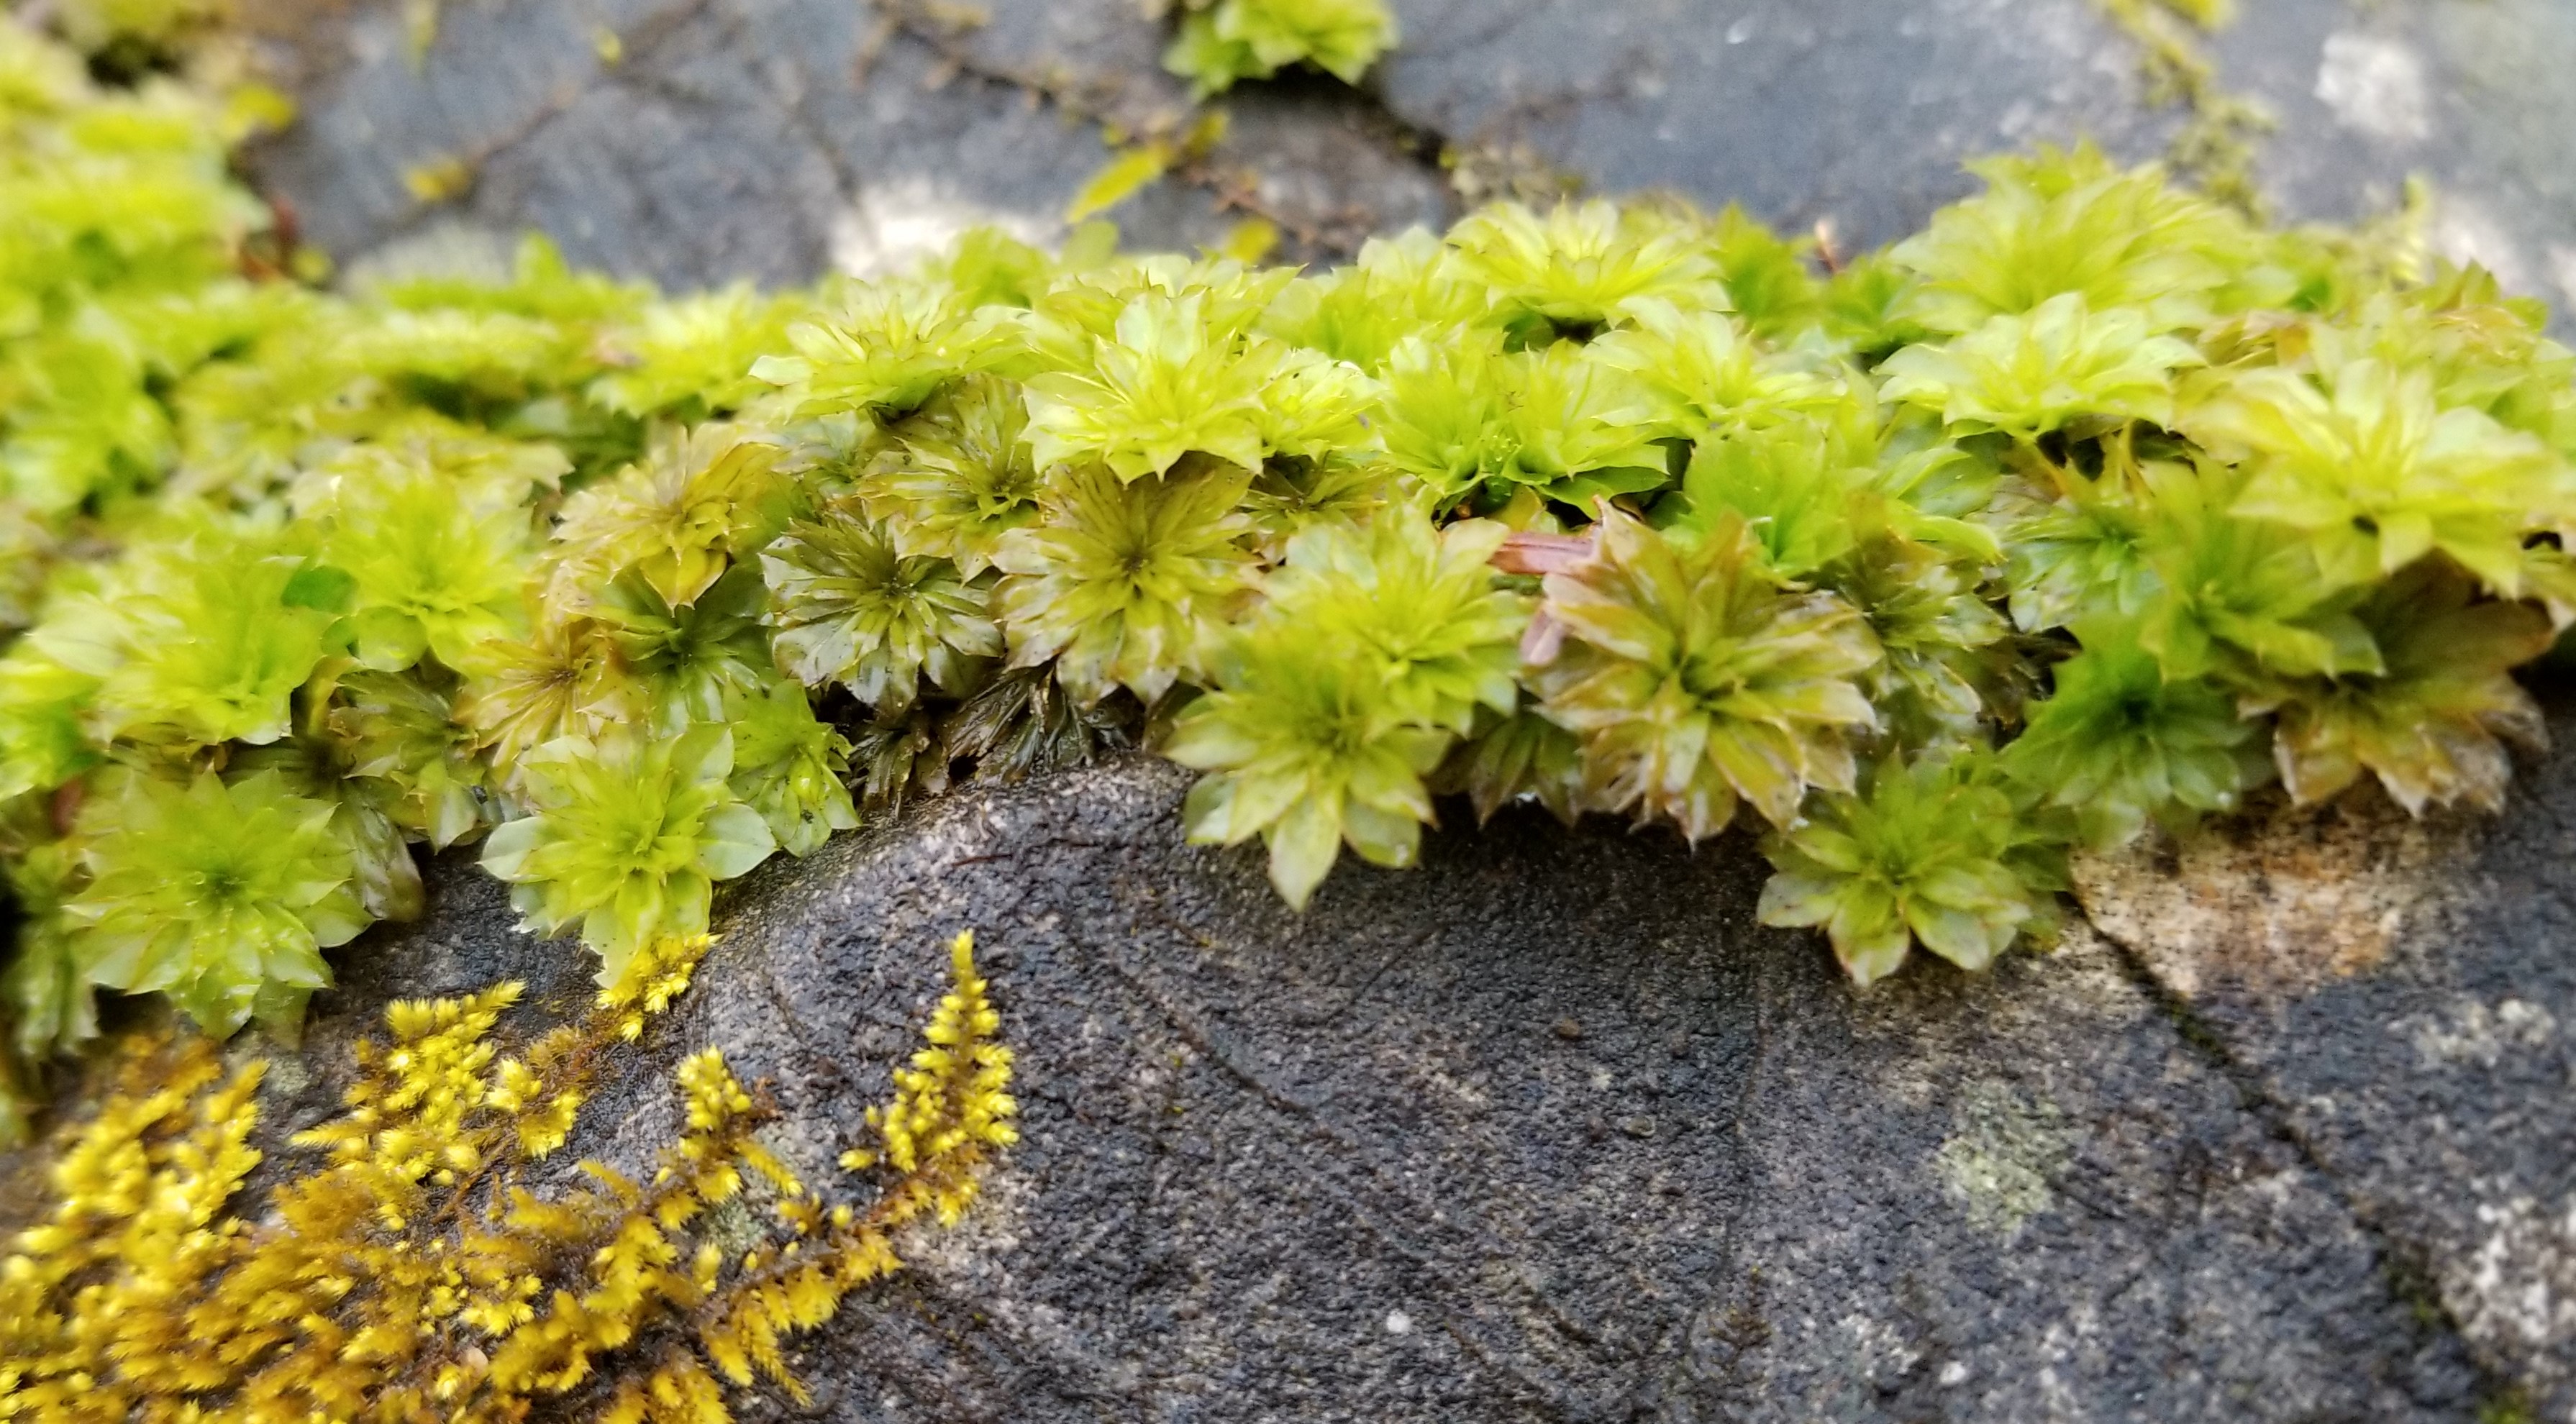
(1223, 42)
(413, 1274)
(2091, 508)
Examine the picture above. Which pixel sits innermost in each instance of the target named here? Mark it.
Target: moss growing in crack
(2215, 144)
(2096, 505)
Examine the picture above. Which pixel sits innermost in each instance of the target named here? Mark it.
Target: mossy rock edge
(1552, 1130)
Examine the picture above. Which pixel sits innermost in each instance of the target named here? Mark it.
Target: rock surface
(702, 141)
(1547, 1130)
(775, 139)
(2401, 997)
(1859, 112)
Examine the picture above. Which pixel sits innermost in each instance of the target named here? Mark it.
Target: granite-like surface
(775, 139)
(2402, 997)
(772, 139)
(1546, 1130)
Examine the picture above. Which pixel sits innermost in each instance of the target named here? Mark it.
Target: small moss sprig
(411, 1269)
(1223, 42)
(2095, 507)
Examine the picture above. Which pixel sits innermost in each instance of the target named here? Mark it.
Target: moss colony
(2095, 506)
(422, 1273)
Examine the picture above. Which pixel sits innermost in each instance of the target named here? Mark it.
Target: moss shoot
(2092, 508)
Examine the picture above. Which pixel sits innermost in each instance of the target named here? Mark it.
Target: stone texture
(2418, 1045)
(775, 139)
(770, 139)
(1545, 1130)
(2467, 93)
(1859, 112)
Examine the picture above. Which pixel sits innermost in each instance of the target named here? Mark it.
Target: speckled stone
(773, 139)
(2402, 996)
(1548, 1129)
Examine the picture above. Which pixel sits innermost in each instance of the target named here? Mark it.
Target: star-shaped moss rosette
(1476, 423)
(2432, 718)
(956, 476)
(2094, 489)
(890, 347)
(626, 837)
(2027, 375)
(2069, 222)
(1119, 579)
(221, 896)
(674, 521)
(1163, 383)
(1697, 680)
(434, 557)
(2118, 743)
(1585, 264)
(1930, 852)
(1373, 653)
(791, 767)
(2364, 460)
(849, 609)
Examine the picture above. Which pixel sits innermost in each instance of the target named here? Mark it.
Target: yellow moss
(415, 1275)
(950, 1106)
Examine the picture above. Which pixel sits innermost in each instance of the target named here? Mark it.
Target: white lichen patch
(2517, 1290)
(1878, 1351)
(2003, 1152)
(2275, 902)
(2376, 85)
(2469, 1033)
(2465, 230)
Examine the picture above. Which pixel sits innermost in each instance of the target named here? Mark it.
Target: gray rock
(773, 140)
(2469, 96)
(1858, 113)
(1545, 1130)
(2401, 996)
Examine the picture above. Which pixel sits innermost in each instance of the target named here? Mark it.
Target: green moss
(1223, 42)
(2510, 1406)
(2097, 504)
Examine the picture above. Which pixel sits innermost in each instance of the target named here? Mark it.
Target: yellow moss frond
(658, 974)
(411, 1275)
(543, 1129)
(952, 1103)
